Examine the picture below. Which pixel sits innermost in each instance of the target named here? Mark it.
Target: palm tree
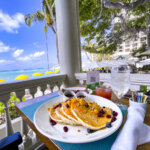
(47, 15)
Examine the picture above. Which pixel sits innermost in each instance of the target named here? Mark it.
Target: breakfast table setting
(91, 117)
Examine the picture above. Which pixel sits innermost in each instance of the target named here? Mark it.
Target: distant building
(127, 47)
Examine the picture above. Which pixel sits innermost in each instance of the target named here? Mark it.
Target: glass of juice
(104, 92)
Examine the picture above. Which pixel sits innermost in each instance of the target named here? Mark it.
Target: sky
(23, 47)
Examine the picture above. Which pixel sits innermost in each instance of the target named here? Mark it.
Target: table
(54, 145)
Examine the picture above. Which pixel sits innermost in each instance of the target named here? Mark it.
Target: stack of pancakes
(78, 111)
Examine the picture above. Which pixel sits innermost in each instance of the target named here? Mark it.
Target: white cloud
(3, 47)
(5, 61)
(10, 23)
(37, 45)
(32, 56)
(2, 60)
(18, 52)
(25, 58)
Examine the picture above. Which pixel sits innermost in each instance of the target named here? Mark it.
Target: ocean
(11, 75)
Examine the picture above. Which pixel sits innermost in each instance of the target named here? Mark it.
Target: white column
(67, 19)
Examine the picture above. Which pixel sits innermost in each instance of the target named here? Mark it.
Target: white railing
(27, 89)
(136, 79)
(37, 87)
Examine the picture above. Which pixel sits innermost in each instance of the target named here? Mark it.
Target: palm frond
(45, 8)
(39, 15)
(45, 29)
(28, 19)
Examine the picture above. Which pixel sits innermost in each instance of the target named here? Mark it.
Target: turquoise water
(11, 75)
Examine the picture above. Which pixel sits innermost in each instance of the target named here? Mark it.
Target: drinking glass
(104, 92)
(120, 80)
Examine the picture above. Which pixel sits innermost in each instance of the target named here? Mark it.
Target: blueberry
(89, 131)
(86, 105)
(65, 129)
(108, 125)
(52, 122)
(99, 114)
(108, 116)
(101, 111)
(67, 106)
(115, 113)
(59, 105)
(113, 119)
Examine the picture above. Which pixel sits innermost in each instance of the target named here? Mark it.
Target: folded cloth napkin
(134, 132)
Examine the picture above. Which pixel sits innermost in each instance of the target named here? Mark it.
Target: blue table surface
(30, 106)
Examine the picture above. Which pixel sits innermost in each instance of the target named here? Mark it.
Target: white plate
(41, 121)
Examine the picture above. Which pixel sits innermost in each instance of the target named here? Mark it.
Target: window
(134, 48)
(127, 50)
(143, 39)
(127, 44)
(134, 45)
(142, 34)
(120, 47)
(143, 42)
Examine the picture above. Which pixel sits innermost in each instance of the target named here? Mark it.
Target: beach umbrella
(49, 72)
(146, 53)
(56, 71)
(37, 74)
(120, 58)
(145, 62)
(1, 80)
(22, 77)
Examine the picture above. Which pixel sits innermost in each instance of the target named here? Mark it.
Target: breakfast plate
(75, 134)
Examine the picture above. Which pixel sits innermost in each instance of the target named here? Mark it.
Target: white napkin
(134, 132)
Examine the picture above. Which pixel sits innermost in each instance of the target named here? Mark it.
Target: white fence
(28, 89)
(46, 86)
(135, 79)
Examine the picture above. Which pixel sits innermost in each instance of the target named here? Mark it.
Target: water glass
(120, 80)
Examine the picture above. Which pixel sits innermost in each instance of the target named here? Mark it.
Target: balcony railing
(24, 90)
(135, 79)
(27, 89)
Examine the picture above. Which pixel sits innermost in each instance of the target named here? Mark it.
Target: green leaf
(45, 29)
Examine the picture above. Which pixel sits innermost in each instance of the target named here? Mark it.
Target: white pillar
(67, 20)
